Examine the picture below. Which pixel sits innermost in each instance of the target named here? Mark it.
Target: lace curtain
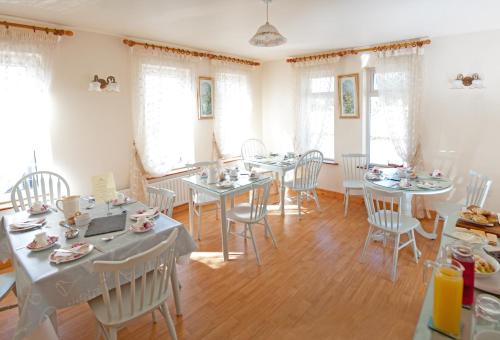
(26, 59)
(234, 100)
(315, 101)
(399, 85)
(164, 109)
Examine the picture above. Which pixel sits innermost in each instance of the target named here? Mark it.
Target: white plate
(490, 284)
(72, 257)
(52, 241)
(467, 236)
(492, 261)
(38, 212)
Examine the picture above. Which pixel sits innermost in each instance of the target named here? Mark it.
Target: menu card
(103, 187)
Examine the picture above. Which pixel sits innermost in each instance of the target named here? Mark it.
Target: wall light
(467, 82)
(99, 85)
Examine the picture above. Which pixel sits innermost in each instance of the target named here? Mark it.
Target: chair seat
(202, 199)
(240, 213)
(405, 223)
(446, 208)
(289, 184)
(100, 311)
(7, 281)
(353, 184)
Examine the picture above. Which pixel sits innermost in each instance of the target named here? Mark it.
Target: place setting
(29, 224)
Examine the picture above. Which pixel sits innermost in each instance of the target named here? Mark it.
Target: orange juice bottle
(448, 289)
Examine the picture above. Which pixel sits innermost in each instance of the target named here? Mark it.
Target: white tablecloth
(43, 287)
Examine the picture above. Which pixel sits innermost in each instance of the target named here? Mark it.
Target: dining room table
(43, 287)
(220, 191)
(423, 184)
(280, 164)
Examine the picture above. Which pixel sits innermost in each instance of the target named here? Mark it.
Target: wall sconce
(99, 85)
(467, 82)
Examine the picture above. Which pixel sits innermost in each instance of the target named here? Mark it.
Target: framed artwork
(348, 89)
(205, 98)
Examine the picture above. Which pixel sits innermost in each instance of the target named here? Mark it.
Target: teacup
(41, 239)
(70, 205)
(37, 206)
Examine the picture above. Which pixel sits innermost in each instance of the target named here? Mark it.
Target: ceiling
(227, 25)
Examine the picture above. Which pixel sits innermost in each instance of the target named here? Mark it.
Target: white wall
(92, 131)
(460, 126)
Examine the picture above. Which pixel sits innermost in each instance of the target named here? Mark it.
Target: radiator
(175, 184)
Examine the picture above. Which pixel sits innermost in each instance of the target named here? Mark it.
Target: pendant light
(267, 35)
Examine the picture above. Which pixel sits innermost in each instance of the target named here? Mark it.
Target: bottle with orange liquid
(448, 290)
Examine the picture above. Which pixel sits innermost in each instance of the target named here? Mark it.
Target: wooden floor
(312, 287)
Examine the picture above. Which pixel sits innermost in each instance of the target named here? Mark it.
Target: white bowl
(492, 261)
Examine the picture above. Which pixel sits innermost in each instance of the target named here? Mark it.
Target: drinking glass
(486, 313)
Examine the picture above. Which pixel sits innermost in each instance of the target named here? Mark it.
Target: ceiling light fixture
(267, 35)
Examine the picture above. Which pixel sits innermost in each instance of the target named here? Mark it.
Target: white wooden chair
(42, 186)
(7, 283)
(254, 212)
(477, 190)
(355, 166)
(383, 216)
(201, 200)
(305, 176)
(164, 199)
(147, 290)
(252, 148)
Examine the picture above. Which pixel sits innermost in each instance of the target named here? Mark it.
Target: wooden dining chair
(305, 176)
(477, 191)
(147, 290)
(202, 200)
(252, 148)
(355, 166)
(254, 212)
(42, 186)
(384, 215)
(164, 199)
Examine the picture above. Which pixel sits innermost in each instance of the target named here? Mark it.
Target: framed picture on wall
(205, 98)
(348, 92)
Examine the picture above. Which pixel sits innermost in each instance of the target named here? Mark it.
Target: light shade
(95, 86)
(113, 87)
(267, 36)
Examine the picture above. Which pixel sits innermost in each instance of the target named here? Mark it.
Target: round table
(390, 183)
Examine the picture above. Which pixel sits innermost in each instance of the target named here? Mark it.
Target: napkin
(74, 251)
(26, 224)
(148, 213)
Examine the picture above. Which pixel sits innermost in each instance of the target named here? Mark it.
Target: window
(380, 123)
(233, 110)
(315, 119)
(167, 110)
(24, 116)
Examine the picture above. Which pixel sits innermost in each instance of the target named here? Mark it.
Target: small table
(276, 164)
(43, 287)
(242, 184)
(393, 185)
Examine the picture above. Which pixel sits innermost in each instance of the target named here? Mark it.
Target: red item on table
(463, 254)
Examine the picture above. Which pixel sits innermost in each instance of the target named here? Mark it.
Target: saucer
(51, 241)
(142, 228)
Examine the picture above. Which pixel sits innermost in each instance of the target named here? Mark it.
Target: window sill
(330, 162)
(184, 170)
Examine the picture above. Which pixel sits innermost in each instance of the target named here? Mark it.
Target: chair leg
(367, 241)
(199, 222)
(346, 202)
(153, 315)
(168, 319)
(98, 330)
(298, 201)
(245, 226)
(436, 223)
(268, 228)
(113, 333)
(315, 195)
(414, 245)
(217, 210)
(395, 257)
(257, 255)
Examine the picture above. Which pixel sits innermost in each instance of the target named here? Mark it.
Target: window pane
(322, 84)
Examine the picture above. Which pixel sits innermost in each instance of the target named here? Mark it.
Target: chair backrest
(259, 195)
(355, 166)
(383, 207)
(477, 189)
(42, 186)
(305, 175)
(251, 148)
(164, 199)
(152, 280)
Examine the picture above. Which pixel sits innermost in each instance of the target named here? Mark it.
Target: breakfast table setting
(53, 250)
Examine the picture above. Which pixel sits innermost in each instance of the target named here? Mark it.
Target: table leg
(406, 210)
(175, 290)
(282, 193)
(191, 211)
(223, 227)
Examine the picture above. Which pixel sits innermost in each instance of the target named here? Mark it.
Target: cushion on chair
(353, 184)
(446, 208)
(240, 213)
(405, 223)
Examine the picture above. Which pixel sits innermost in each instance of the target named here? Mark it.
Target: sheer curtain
(164, 109)
(398, 81)
(235, 102)
(315, 102)
(26, 59)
